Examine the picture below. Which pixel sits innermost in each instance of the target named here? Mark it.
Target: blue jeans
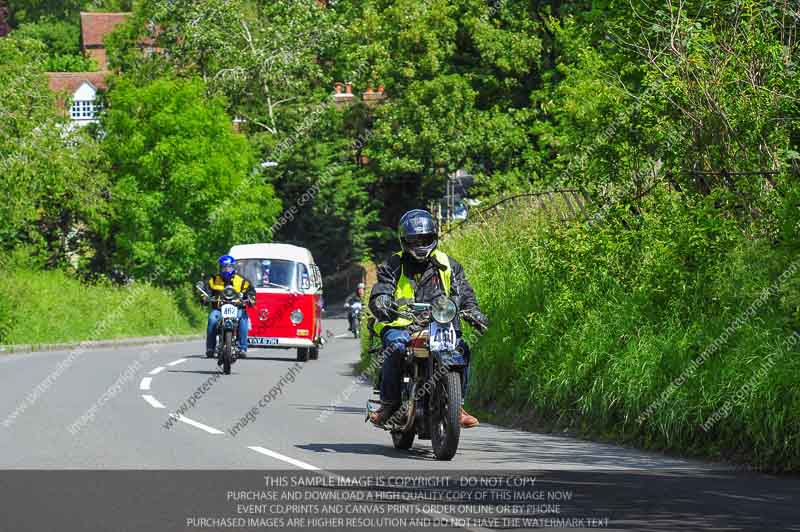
(395, 342)
(211, 332)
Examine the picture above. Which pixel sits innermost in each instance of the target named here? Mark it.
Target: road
(109, 409)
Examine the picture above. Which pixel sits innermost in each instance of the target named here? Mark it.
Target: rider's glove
(384, 307)
(477, 319)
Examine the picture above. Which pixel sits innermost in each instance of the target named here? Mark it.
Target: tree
(53, 175)
(185, 186)
(62, 39)
(33, 10)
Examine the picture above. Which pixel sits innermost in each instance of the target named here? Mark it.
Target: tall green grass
(591, 324)
(40, 307)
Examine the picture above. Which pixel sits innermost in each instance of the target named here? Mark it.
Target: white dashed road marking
(145, 384)
(152, 401)
(192, 422)
(284, 458)
(320, 471)
(176, 362)
(158, 370)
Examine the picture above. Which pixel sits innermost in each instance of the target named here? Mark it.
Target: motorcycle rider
(214, 286)
(356, 297)
(417, 273)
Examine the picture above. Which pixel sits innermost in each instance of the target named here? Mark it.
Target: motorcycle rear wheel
(445, 425)
(226, 352)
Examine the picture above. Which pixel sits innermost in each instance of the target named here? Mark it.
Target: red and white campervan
(288, 287)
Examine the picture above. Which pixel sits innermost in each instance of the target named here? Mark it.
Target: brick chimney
(373, 97)
(341, 98)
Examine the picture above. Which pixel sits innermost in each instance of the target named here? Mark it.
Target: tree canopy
(185, 185)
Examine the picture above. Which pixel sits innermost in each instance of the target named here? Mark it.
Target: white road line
(176, 362)
(284, 458)
(342, 335)
(153, 401)
(320, 471)
(145, 384)
(158, 370)
(192, 422)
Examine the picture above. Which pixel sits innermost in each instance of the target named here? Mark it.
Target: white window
(84, 103)
(83, 110)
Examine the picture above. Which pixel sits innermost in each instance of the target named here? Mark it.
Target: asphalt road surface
(166, 410)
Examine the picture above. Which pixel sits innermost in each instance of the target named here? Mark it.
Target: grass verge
(666, 330)
(42, 307)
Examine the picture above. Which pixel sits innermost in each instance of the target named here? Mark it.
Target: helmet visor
(420, 241)
(227, 268)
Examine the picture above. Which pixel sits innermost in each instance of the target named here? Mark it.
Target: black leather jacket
(424, 277)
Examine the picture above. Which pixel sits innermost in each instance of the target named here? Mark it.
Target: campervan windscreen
(269, 273)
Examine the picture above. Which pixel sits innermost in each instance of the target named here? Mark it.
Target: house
(81, 88)
(94, 28)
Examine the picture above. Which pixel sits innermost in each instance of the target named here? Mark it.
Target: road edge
(98, 344)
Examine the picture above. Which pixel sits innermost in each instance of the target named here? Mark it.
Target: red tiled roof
(95, 26)
(71, 81)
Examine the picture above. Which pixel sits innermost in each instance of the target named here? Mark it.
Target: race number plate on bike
(443, 337)
(229, 311)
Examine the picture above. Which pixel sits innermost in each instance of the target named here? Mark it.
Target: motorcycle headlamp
(228, 292)
(443, 309)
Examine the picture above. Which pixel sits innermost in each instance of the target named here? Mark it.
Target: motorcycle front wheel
(226, 352)
(445, 426)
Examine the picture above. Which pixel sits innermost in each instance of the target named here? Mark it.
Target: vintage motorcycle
(230, 302)
(355, 317)
(432, 371)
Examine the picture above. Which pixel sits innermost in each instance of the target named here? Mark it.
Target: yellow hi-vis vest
(238, 282)
(404, 292)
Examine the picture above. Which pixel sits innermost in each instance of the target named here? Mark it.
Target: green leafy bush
(592, 323)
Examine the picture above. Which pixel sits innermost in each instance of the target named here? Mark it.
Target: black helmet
(417, 232)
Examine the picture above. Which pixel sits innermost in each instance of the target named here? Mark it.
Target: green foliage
(62, 40)
(186, 186)
(53, 175)
(591, 324)
(23, 11)
(27, 11)
(59, 36)
(70, 63)
(30, 299)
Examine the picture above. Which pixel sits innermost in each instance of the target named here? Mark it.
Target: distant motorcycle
(354, 317)
(431, 380)
(230, 302)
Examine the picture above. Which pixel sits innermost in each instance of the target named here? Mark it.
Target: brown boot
(384, 413)
(467, 421)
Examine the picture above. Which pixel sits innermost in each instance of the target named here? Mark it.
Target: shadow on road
(334, 409)
(369, 448)
(200, 371)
